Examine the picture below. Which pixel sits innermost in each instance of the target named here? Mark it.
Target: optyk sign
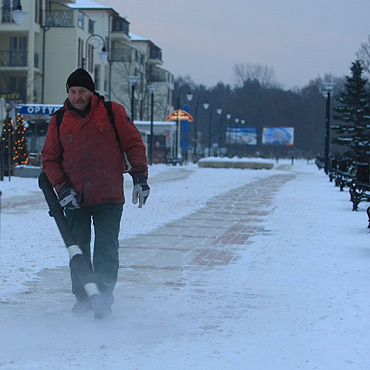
(39, 108)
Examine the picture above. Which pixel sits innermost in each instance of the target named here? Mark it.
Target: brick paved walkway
(174, 256)
(209, 238)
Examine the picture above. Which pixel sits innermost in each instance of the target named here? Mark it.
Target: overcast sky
(300, 39)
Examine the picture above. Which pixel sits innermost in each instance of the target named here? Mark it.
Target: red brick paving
(215, 236)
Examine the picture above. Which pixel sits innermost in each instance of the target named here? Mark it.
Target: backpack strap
(59, 117)
(108, 107)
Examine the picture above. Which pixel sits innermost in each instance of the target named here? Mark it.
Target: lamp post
(228, 116)
(205, 106)
(243, 151)
(103, 54)
(151, 88)
(219, 112)
(327, 87)
(189, 97)
(18, 14)
(236, 134)
(133, 80)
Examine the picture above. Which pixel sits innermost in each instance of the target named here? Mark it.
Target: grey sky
(300, 39)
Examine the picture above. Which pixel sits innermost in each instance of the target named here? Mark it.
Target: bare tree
(265, 75)
(121, 92)
(363, 54)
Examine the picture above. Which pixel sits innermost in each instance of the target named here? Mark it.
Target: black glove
(68, 197)
(141, 190)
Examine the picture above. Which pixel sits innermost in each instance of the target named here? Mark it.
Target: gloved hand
(141, 190)
(68, 197)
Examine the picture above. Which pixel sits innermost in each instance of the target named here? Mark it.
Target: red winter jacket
(86, 153)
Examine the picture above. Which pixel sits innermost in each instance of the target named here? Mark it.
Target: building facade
(56, 37)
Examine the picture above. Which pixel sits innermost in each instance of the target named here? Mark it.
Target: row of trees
(257, 100)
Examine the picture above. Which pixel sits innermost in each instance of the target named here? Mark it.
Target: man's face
(79, 97)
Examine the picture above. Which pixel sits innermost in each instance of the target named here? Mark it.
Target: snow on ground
(298, 298)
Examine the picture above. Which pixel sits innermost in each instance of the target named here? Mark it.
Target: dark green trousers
(106, 219)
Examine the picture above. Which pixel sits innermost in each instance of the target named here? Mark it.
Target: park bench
(320, 163)
(174, 161)
(332, 170)
(344, 174)
(360, 187)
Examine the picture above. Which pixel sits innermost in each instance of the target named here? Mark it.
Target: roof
(135, 37)
(89, 4)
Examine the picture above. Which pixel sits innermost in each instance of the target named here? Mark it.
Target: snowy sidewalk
(271, 275)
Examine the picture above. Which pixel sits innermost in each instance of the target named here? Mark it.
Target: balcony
(121, 55)
(120, 24)
(13, 58)
(157, 75)
(155, 54)
(58, 18)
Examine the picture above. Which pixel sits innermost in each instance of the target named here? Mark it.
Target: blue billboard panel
(278, 136)
(241, 135)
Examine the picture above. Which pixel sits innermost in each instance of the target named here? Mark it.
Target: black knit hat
(80, 77)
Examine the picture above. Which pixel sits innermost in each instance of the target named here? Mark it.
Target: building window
(97, 78)
(80, 53)
(91, 26)
(36, 60)
(90, 58)
(81, 20)
(18, 51)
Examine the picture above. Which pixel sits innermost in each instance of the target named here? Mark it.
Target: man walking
(83, 158)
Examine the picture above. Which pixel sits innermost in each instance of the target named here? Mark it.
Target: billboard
(241, 135)
(278, 136)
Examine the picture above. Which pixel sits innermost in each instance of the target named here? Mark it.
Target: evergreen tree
(354, 111)
(7, 138)
(20, 143)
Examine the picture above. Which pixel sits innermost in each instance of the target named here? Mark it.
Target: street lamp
(244, 145)
(327, 87)
(228, 116)
(219, 112)
(151, 88)
(205, 106)
(103, 54)
(236, 134)
(189, 97)
(133, 80)
(18, 14)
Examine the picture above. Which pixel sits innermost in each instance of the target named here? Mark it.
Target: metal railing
(13, 58)
(121, 55)
(157, 76)
(58, 18)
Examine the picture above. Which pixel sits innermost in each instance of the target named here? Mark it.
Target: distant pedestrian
(83, 158)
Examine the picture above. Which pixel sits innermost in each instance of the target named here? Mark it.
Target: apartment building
(56, 37)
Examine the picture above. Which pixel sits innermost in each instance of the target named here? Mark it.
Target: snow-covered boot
(82, 306)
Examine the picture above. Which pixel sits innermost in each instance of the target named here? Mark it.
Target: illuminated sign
(179, 115)
(278, 135)
(244, 135)
(39, 109)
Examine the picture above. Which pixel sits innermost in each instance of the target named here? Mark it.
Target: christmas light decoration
(20, 143)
